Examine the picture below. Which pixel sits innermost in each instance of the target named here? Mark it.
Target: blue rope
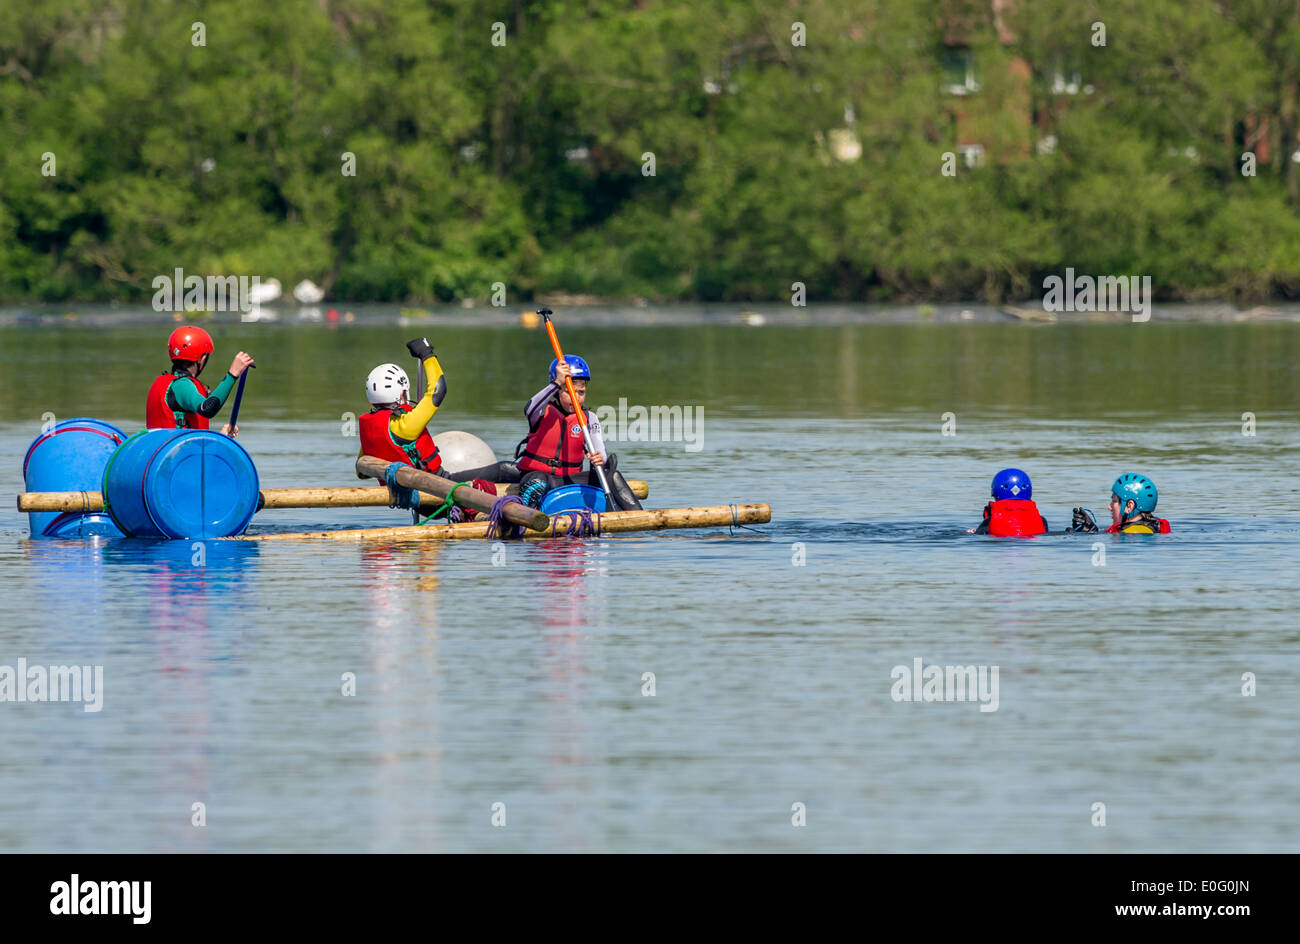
(402, 497)
(735, 523)
(498, 527)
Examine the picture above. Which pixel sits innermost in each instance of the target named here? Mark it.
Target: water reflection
(185, 606)
(402, 686)
(69, 581)
(572, 599)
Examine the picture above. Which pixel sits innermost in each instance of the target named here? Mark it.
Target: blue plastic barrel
(573, 498)
(181, 483)
(71, 458)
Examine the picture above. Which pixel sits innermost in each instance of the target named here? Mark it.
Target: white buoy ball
(463, 450)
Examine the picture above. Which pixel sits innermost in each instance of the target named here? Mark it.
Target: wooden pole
(653, 519)
(410, 477)
(60, 501)
(355, 496)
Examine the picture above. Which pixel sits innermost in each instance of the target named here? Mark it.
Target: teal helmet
(1137, 487)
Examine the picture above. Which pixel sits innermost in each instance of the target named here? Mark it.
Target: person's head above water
(579, 373)
(1132, 494)
(1011, 483)
(387, 385)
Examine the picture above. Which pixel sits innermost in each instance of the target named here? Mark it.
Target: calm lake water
(522, 684)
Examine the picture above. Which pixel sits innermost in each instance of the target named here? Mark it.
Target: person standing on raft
(551, 454)
(1133, 500)
(178, 399)
(1012, 512)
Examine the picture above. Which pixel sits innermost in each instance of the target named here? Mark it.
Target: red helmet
(188, 343)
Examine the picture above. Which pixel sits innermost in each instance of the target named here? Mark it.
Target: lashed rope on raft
(454, 514)
(496, 520)
(403, 497)
(735, 523)
(580, 524)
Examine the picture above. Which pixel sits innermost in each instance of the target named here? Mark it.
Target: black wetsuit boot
(533, 487)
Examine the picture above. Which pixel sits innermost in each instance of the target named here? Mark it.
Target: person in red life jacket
(396, 430)
(551, 454)
(1133, 499)
(1012, 512)
(178, 399)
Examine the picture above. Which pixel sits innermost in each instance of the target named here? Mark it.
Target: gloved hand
(1083, 521)
(420, 348)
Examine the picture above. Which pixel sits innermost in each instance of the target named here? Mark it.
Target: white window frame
(971, 85)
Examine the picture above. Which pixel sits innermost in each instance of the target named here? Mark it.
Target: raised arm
(409, 426)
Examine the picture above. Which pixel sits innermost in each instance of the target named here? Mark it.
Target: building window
(959, 71)
(1066, 85)
(972, 154)
(1066, 78)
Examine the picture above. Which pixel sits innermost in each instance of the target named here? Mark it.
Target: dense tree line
(714, 150)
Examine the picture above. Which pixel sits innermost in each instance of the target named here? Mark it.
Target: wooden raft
(611, 522)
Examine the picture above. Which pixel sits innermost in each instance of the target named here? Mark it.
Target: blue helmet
(1137, 487)
(1011, 483)
(580, 369)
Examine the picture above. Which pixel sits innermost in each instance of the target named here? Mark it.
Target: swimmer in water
(1012, 512)
(1133, 500)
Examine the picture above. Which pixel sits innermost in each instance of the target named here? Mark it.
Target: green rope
(449, 503)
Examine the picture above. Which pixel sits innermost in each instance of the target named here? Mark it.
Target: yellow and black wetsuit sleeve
(407, 427)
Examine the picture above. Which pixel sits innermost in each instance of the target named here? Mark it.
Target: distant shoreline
(615, 313)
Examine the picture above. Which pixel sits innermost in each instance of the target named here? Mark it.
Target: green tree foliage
(529, 163)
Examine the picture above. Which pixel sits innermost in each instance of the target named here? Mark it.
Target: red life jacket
(377, 440)
(158, 415)
(1014, 518)
(556, 446)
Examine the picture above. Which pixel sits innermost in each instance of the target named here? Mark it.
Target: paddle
(573, 398)
(239, 395)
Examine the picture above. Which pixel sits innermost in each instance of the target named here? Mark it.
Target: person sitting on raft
(178, 399)
(1133, 500)
(394, 429)
(397, 431)
(551, 454)
(1012, 512)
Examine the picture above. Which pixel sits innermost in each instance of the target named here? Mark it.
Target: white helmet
(386, 384)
